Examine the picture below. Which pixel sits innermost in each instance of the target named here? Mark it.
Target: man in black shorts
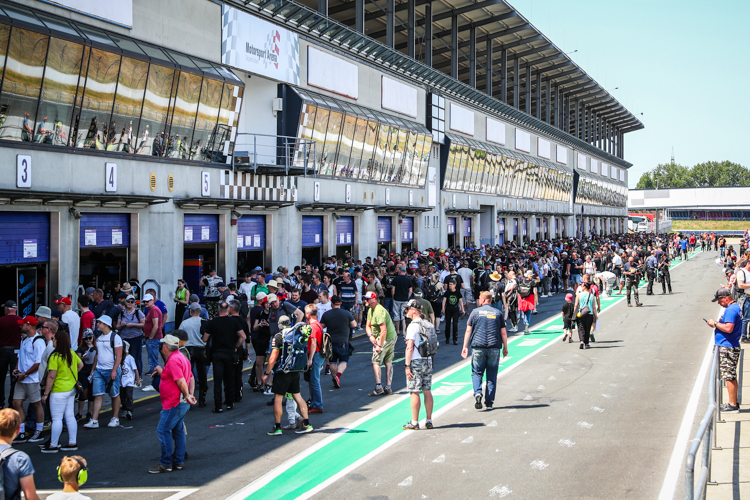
(283, 384)
(338, 321)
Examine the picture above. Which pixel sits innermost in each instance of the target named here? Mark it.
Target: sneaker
(22, 438)
(304, 429)
(387, 390)
(591, 337)
(428, 424)
(527, 332)
(328, 371)
(37, 437)
(336, 381)
(70, 447)
(379, 391)
(478, 401)
(292, 427)
(79, 417)
(488, 406)
(728, 408)
(150, 388)
(50, 449)
(114, 422)
(409, 426)
(268, 391)
(275, 432)
(129, 415)
(178, 466)
(218, 410)
(159, 469)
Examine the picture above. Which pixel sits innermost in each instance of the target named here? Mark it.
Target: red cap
(64, 300)
(28, 320)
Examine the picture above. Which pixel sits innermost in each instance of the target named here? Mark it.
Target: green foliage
(708, 174)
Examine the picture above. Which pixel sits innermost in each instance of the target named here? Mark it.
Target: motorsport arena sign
(259, 47)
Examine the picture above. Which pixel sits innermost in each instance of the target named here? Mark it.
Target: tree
(645, 182)
(707, 174)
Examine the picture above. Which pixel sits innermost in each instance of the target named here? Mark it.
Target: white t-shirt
(68, 496)
(105, 359)
(247, 289)
(128, 372)
(358, 283)
(465, 274)
(322, 308)
(74, 324)
(31, 353)
(412, 333)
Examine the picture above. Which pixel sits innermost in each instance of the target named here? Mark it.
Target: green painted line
(354, 444)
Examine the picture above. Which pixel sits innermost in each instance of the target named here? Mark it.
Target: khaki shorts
(386, 353)
(30, 391)
(728, 358)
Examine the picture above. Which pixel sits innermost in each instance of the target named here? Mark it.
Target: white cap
(105, 319)
(260, 296)
(272, 297)
(148, 297)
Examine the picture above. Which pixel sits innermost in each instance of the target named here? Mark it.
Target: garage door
(201, 228)
(105, 230)
(344, 231)
(451, 225)
(24, 237)
(407, 229)
(384, 229)
(312, 231)
(251, 232)
(467, 227)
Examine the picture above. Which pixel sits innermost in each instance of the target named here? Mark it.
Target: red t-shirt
(10, 330)
(177, 367)
(317, 334)
(87, 321)
(153, 312)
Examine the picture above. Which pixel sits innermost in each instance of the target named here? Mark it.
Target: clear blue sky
(683, 64)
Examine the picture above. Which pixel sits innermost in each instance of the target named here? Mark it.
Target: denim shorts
(102, 378)
(340, 353)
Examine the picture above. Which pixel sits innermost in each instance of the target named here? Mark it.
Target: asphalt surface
(567, 423)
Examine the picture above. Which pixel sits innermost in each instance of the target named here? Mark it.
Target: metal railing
(705, 437)
(254, 150)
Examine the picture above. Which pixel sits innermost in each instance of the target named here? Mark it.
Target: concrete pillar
(508, 236)
(533, 235)
(427, 32)
(550, 227)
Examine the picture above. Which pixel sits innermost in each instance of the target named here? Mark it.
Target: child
(295, 419)
(130, 379)
(567, 317)
(73, 473)
(87, 353)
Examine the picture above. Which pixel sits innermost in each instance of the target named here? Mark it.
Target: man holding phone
(727, 333)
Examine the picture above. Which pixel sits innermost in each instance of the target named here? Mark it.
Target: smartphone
(704, 319)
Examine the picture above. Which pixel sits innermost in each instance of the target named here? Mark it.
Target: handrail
(705, 436)
(275, 151)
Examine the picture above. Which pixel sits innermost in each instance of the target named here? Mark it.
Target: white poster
(29, 249)
(116, 236)
(523, 140)
(562, 155)
(462, 119)
(348, 237)
(382, 234)
(341, 239)
(332, 73)
(317, 238)
(248, 241)
(543, 148)
(89, 237)
(205, 233)
(188, 233)
(260, 47)
(256, 241)
(495, 131)
(411, 235)
(120, 12)
(240, 241)
(398, 97)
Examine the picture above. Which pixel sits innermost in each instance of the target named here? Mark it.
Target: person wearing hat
(418, 369)
(194, 299)
(226, 338)
(527, 304)
(176, 393)
(28, 377)
(427, 311)
(107, 372)
(727, 333)
(69, 317)
(382, 334)
(338, 322)
(197, 349)
(496, 288)
(10, 342)
(248, 288)
(152, 332)
(130, 325)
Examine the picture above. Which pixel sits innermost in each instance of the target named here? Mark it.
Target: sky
(683, 64)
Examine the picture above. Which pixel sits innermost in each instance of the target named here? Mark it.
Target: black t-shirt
(401, 285)
(451, 299)
(456, 278)
(223, 331)
(309, 296)
(574, 267)
(254, 314)
(243, 326)
(565, 263)
(337, 321)
(264, 332)
(387, 283)
(299, 305)
(568, 309)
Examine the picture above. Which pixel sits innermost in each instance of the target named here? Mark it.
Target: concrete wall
(702, 198)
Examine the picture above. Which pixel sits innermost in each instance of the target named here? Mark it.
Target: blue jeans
(745, 316)
(171, 427)
(388, 304)
(136, 350)
(152, 348)
(316, 394)
(484, 361)
(526, 315)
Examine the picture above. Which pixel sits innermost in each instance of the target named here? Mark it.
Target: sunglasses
(131, 301)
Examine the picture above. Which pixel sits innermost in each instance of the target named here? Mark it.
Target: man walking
(27, 375)
(226, 338)
(107, 372)
(315, 358)
(177, 383)
(197, 349)
(418, 368)
(402, 288)
(338, 322)
(10, 342)
(485, 333)
(382, 335)
(743, 283)
(630, 271)
(652, 264)
(727, 332)
(70, 318)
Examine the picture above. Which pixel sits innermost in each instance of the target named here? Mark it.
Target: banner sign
(119, 12)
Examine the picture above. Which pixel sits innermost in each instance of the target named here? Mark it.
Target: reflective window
(159, 90)
(330, 146)
(306, 123)
(22, 84)
(381, 153)
(368, 154)
(98, 98)
(126, 116)
(205, 138)
(59, 91)
(412, 160)
(183, 116)
(423, 157)
(319, 135)
(358, 143)
(347, 142)
(460, 179)
(399, 148)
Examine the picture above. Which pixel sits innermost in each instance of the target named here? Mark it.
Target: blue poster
(26, 291)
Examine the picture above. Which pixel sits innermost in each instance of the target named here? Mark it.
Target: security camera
(75, 213)
(336, 216)
(236, 214)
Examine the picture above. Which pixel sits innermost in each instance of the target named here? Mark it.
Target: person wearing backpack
(315, 358)
(586, 315)
(528, 298)
(421, 346)
(17, 472)
(485, 334)
(107, 372)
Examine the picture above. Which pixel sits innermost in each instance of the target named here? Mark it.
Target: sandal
(410, 427)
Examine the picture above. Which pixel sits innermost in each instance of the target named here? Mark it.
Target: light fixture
(75, 213)
(236, 214)
(336, 216)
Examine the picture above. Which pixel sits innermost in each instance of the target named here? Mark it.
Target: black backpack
(244, 308)
(525, 288)
(430, 292)
(4, 456)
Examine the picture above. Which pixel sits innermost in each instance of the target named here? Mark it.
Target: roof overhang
(230, 204)
(396, 209)
(332, 207)
(18, 197)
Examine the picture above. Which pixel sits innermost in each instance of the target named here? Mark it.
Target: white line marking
(500, 491)
(468, 440)
(683, 436)
(439, 459)
(407, 482)
(539, 465)
(179, 493)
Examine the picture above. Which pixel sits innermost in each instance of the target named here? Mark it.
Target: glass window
(159, 89)
(399, 148)
(385, 167)
(57, 24)
(98, 99)
(451, 166)
(126, 116)
(381, 153)
(126, 44)
(208, 115)
(59, 91)
(368, 154)
(96, 35)
(304, 132)
(347, 140)
(412, 161)
(155, 53)
(183, 115)
(425, 140)
(355, 164)
(458, 181)
(331, 145)
(24, 68)
(486, 185)
(319, 135)
(20, 13)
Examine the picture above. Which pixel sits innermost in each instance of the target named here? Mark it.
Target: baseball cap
(284, 320)
(272, 297)
(721, 292)
(105, 319)
(272, 283)
(64, 300)
(258, 269)
(90, 290)
(417, 292)
(87, 333)
(193, 298)
(220, 284)
(11, 304)
(44, 312)
(260, 297)
(413, 304)
(130, 297)
(370, 295)
(28, 320)
(148, 297)
(170, 340)
(195, 306)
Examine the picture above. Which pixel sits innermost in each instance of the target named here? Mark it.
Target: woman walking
(181, 296)
(586, 314)
(528, 299)
(130, 325)
(62, 379)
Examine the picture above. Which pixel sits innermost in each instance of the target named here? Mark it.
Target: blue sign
(26, 291)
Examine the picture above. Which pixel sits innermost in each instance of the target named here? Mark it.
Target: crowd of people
(68, 359)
